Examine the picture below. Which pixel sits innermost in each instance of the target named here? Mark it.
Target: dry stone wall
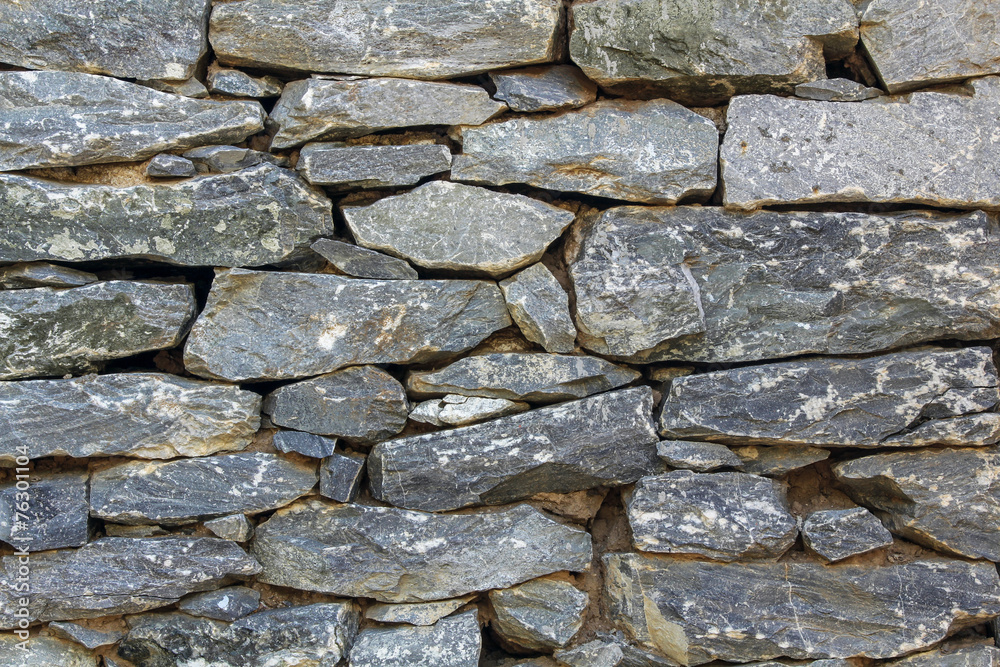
(522, 333)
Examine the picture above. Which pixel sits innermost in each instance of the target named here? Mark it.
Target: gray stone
(55, 514)
(182, 491)
(185, 87)
(948, 656)
(542, 614)
(42, 274)
(451, 642)
(456, 410)
(703, 52)
(596, 653)
(147, 415)
(544, 88)
(964, 431)
(235, 527)
(839, 534)
(361, 403)
(361, 262)
(540, 307)
(260, 324)
(225, 159)
(48, 331)
(831, 402)
(788, 151)
(776, 461)
(63, 119)
(527, 376)
(913, 45)
(655, 152)
(726, 516)
(252, 217)
(695, 611)
(414, 613)
(306, 444)
(900, 285)
(166, 165)
(43, 651)
(345, 167)
(947, 499)
(240, 84)
(384, 38)
(604, 440)
(120, 575)
(324, 109)
(226, 604)
(697, 456)
(395, 555)
(84, 636)
(421, 226)
(340, 477)
(116, 530)
(836, 90)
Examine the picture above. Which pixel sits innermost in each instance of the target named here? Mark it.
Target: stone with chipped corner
(541, 615)
(43, 274)
(43, 651)
(839, 534)
(547, 88)
(395, 555)
(185, 87)
(306, 444)
(345, 167)
(970, 655)
(235, 527)
(166, 165)
(836, 90)
(451, 642)
(240, 84)
(697, 456)
(340, 476)
(778, 460)
(457, 410)
(353, 260)
(226, 604)
(415, 613)
(596, 653)
(539, 306)
(86, 637)
(55, 516)
(260, 324)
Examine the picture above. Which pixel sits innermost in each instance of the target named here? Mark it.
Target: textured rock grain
(54, 516)
(544, 88)
(839, 534)
(451, 642)
(226, 604)
(345, 167)
(697, 456)
(43, 274)
(361, 262)
(540, 307)
(541, 615)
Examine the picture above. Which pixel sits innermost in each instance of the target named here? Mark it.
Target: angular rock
(55, 515)
(963, 431)
(596, 653)
(455, 410)
(42, 274)
(166, 165)
(528, 376)
(541, 615)
(383, 38)
(340, 477)
(544, 88)
(279, 326)
(252, 217)
(361, 262)
(235, 527)
(604, 440)
(948, 656)
(414, 613)
(317, 109)
(43, 651)
(421, 225)
(674, 606)
(839, 534)
(395, 555)
(831, 402)
(697, 456)
(48, 331)
(788, 151)
(185, 87)
(836, 90)
(306, 444)
(776, 461)
(240, 84)
(701, 53)
(946, 499)
(63, 119)
(120, 575)
(361, 403)
(226, 604)
(451, 642)
(655, 152)
(540, 307)
(84, 636)
(345, 167)
(147, 415)
(182, 491)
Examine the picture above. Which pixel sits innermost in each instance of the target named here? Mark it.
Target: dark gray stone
(166, 165)
(346, 167)
(697, 456)
(182, 491)
(226, 604)
(952, 656)
(240, 84)
(226, 159)
(455, 410)
(595, 653)
(186, 87)
(395, 555)
(43, 652)
(84, 636)
(540, 307)
(340, 477)
(604, 440)
(55, 516)
(544, 88)
(260, 324)
(414, 613)
(235, 527)
(776, 461)
(42, 274)
(64, 119)
(307, 444)
(361, 262)
(451, 642)
(48, 331)
(542, 614)
(839, 534)
(836, 90)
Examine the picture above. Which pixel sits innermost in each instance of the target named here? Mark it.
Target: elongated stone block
(240, 84)
(344, 167)
(839, 534)
(361, 262)
(544, 88)
(451, 642)
(42, 274)
(414, 613)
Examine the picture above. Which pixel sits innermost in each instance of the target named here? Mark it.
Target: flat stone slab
(43, 274)
(421, 225)
(55, 516)
(836, 90)
(395, 555)
(414, 613)
(541, 615)
(595, 151)
(64, 119)
(456, 410)
(604, 440)
(451, 642)
(377, 37)
(340, 476)
(240, 84)
(539, 306)
(595, 653)
(84, 636)
(545, 88)
(778, 460)
(361, 262)
(306, 444)
(47, 331)
(891, 293)
(318, 109)
(167, 165)
(952, 656)
(146, 415)
(259, 325)
(235, 527)
(788, 151)
(674, 606)
(831, 402)
(839, 534)
(346, 167)
(44, 652)
(226, 604)
(697, 456)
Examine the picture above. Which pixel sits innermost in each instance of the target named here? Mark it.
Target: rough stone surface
(306, 444)
(182, 491)
(799, 610)
(542, 614)
(361, 403)
(55, 517)
(697, 456)
(655, 152)
(251, 217)
(43, 274)
(44, 652)
(831, 402)
(61, 119)
(544, 88)
(540, 307)
(386, 38)
(166, 165)
(324, 109)
(235, 527)
(340, 477)
(702, 52)
(226, 159)
(776, 461)
(421, 226)
(451, 642)
(604, 440)
(839, 534)
(226, 604)
(346, 167)
(147, 415)
(836, 90)
(947, 656)
(456, 410)
(240, 84)
(395, 555)
(48, 331)
(288, 325)
(361, 262)
(185, 87)
(596, 653)
(788, 151)
(84, 636)
(414, 613)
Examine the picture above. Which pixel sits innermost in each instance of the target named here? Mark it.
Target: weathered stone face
(697, 456)
(544, 88)
(307, 444)
(240, 84)
(451, 642)
(85, 636)
(540, 307)
(363, 263)
(345, 167)
(340, 477)
(44, 652)
(414, 613)
(235, 527)
(60, 119)
(56, 514)
(395, 555)
(542, 614)
(953, 656)
(42, 274)
(166, 165)
(592, 654)
(456, 410)
(594, 151)
(836, 90)
(226, 604)
(839, 534)
(290, 325)
(778, 460)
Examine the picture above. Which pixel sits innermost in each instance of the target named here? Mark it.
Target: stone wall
(362, 333)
